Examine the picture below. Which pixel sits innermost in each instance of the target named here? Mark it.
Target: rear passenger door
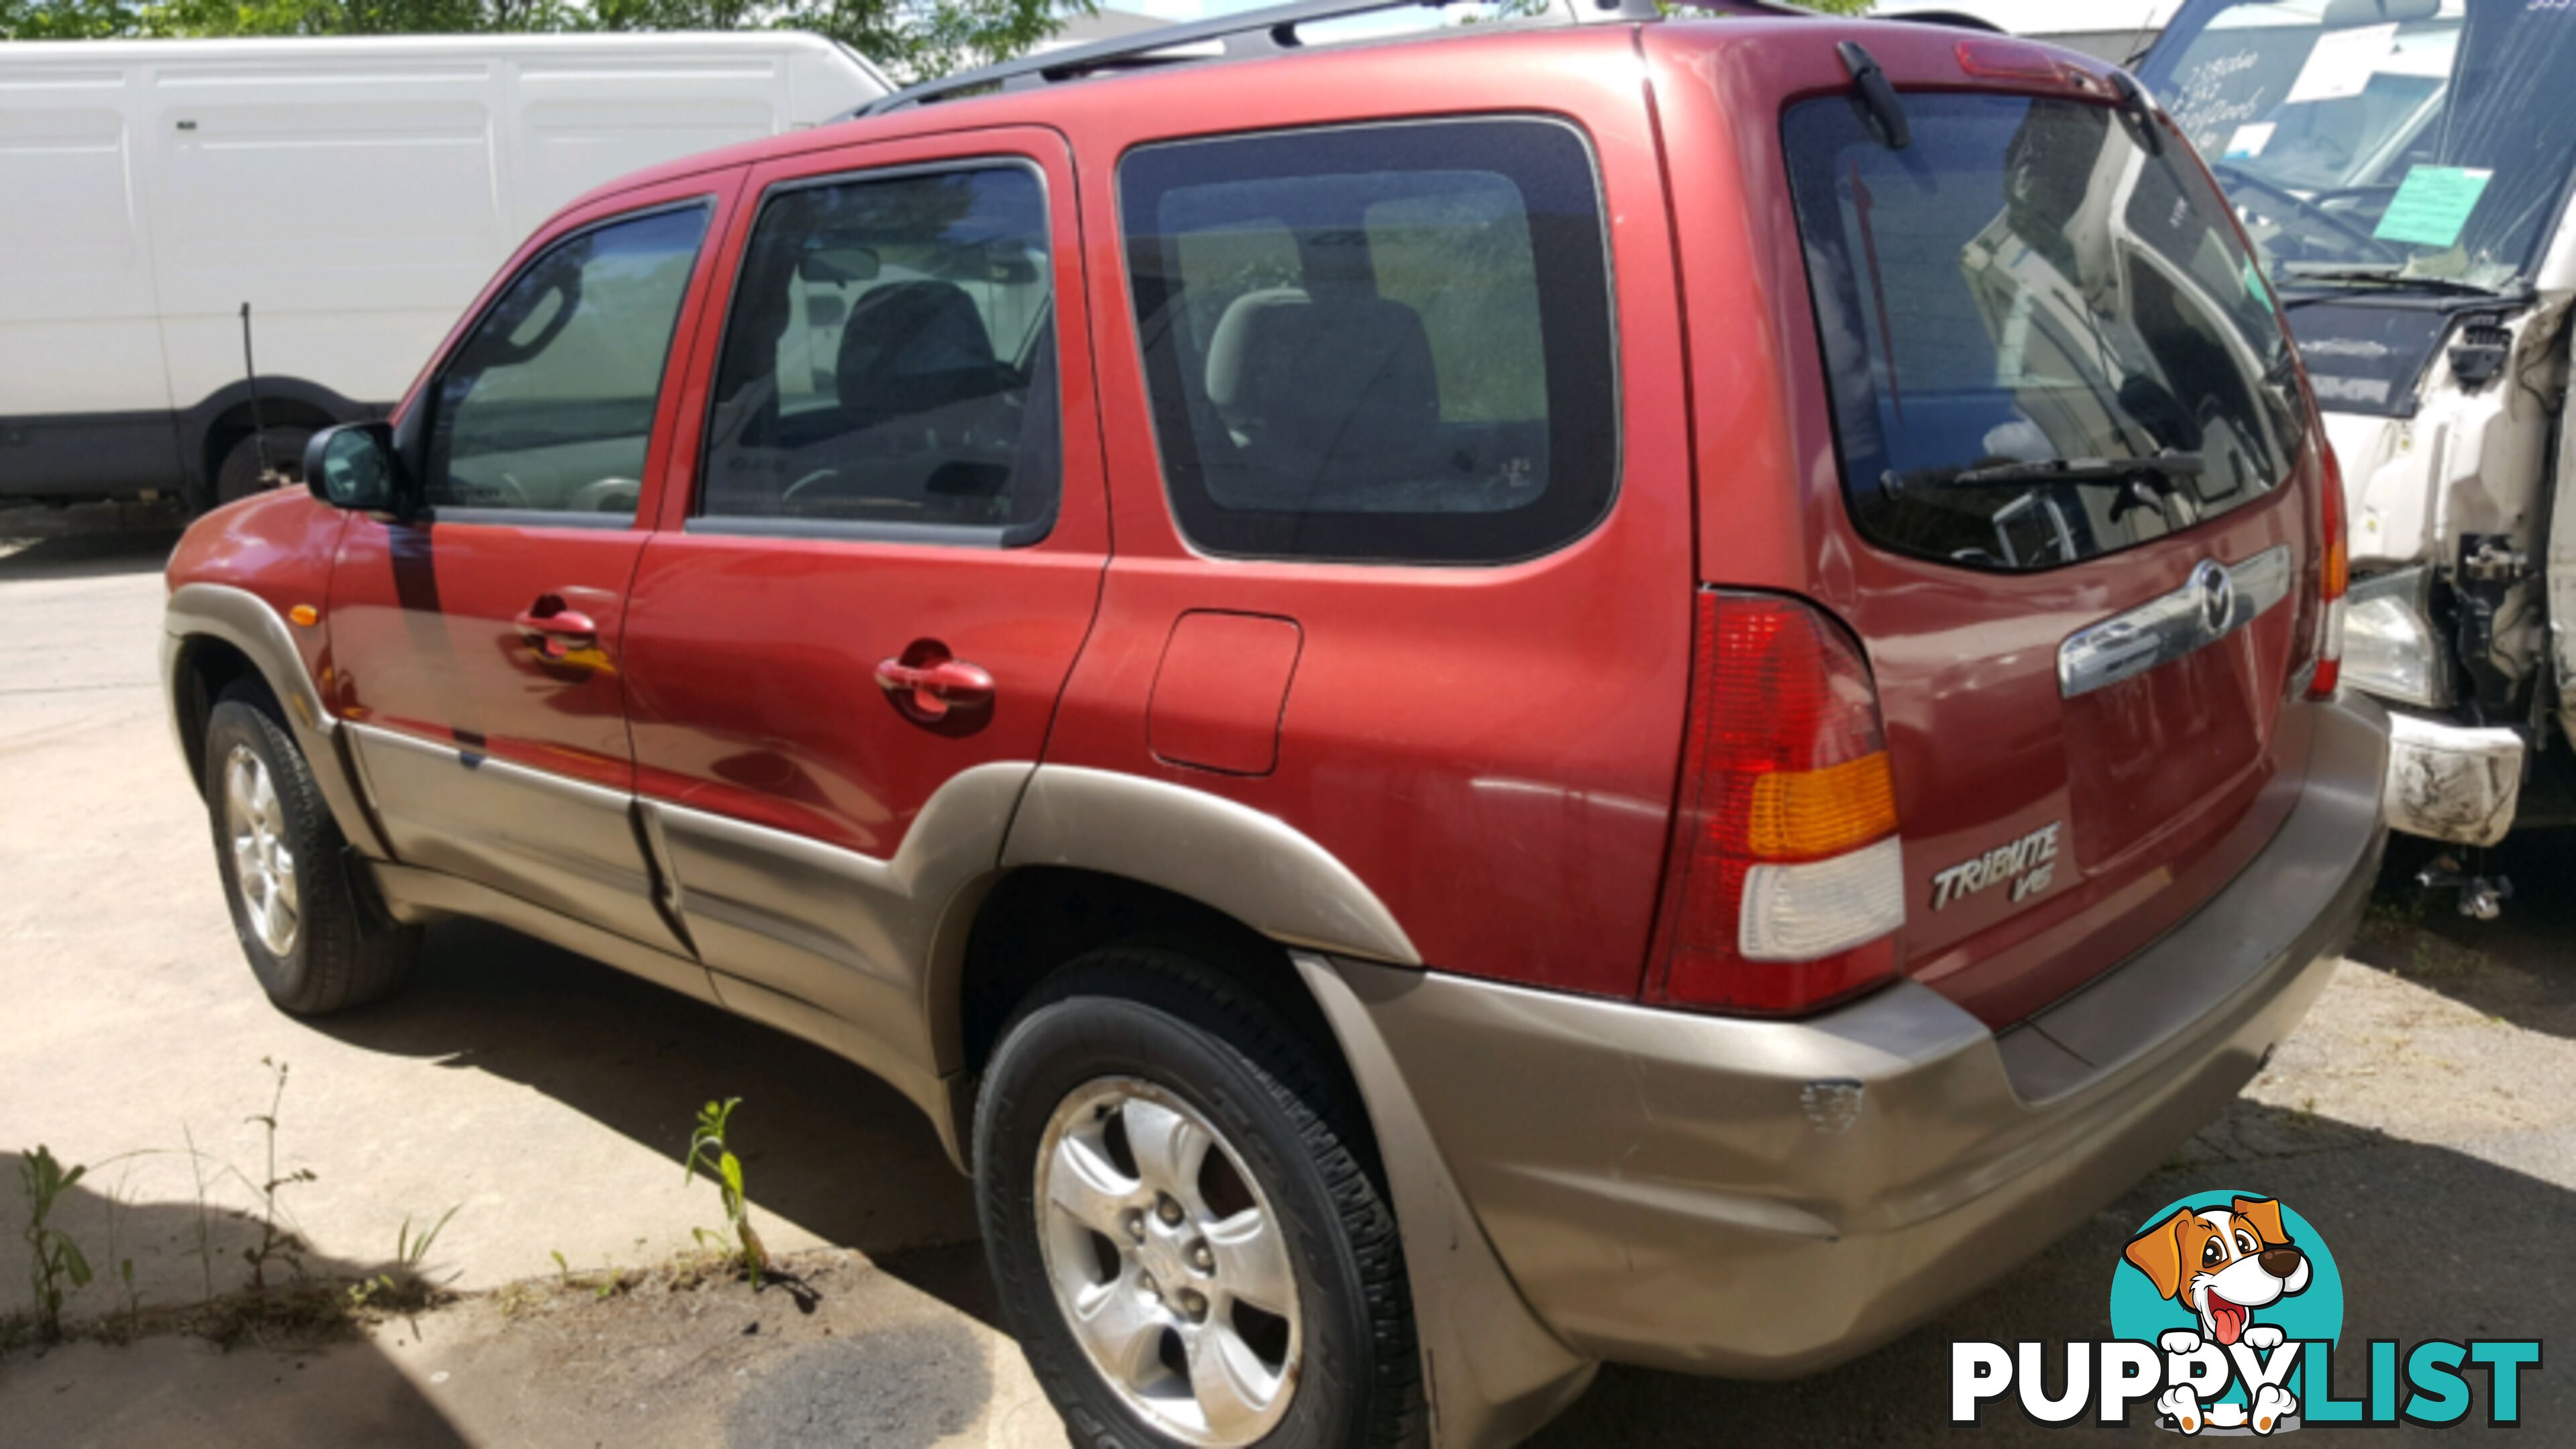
(1402, 494)
(884, 559)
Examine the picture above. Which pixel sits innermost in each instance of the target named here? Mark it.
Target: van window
(2018, 309)
(890, 363)
(548, 405)
(1379, 343)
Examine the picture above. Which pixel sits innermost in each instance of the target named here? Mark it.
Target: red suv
(1641, 690)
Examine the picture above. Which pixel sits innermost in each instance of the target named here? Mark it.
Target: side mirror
(354, 466)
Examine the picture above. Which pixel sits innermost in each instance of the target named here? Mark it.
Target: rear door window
(1381, 343)
(889, 367)
(2044, 342)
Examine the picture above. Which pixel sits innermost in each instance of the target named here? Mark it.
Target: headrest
(1347, 373)
(913, 347)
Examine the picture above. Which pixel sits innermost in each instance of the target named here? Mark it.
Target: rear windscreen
(2043, 341)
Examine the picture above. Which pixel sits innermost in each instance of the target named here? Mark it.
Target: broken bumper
(2452, 782)
(1761, 1199)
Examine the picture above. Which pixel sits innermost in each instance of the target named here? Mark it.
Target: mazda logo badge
(2217, 590)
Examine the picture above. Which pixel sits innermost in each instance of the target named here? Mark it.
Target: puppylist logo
(2226, 1314)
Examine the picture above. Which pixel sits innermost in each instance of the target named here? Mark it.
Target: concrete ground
(2424, 1118)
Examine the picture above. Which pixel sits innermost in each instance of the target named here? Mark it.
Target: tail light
(1783, 889)
(2334, 579)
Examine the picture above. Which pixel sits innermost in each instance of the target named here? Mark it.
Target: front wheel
(1186, 1241)
(315, 938)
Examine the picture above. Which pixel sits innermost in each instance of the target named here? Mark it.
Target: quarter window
(889, 368)
(1383, 343)
(548, 406)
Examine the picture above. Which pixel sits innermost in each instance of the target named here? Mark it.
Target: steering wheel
(2332, 221)
(818, 476)
(607, 495)
(499, 490)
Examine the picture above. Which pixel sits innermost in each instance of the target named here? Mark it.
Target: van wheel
(314, 934)
(1185, 1242)
(240, 476)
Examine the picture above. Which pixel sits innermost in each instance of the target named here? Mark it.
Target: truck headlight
(2389, 648)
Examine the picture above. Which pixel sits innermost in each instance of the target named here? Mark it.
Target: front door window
(548, 405)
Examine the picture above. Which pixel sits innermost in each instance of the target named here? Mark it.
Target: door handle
(928, 691)
(554, 630)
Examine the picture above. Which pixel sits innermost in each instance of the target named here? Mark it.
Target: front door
(846, 640)
(477, 649)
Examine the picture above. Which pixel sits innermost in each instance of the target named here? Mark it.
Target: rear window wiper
(2166, 466)
(1877, 95)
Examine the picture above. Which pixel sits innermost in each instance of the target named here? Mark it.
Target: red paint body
(1493, 751)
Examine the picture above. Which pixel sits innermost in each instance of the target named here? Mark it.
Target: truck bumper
(2452, 782)
(1765, 1199)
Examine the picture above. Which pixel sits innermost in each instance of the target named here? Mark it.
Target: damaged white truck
(2404, 168)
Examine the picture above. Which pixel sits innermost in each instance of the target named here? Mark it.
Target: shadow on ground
(88, 554)
(304, 1379)
(825, 1145)
(2518, 967)
(2372, 1197)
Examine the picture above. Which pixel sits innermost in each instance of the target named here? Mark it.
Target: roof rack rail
(1955, 19)
(1268, 31)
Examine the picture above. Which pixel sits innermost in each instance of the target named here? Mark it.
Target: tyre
(1186, 1240)
(314, 934)
(240, 475)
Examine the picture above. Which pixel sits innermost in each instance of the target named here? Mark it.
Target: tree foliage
(910, 38)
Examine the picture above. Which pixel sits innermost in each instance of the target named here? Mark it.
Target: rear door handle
(555, 630)
(929, 691)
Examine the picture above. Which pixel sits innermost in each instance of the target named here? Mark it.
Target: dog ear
(2157, 1252)
(2265, 1214)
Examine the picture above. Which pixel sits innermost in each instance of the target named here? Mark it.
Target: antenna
(258, 424)
(2138, 42)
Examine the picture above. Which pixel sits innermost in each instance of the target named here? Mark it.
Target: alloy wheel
(1169, 1263)
(263, 865)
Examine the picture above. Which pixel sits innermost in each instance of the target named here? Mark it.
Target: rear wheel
(315, 939)
(1186, 1242)
(243, 471)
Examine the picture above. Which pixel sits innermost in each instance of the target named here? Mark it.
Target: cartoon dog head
(2222, 1263)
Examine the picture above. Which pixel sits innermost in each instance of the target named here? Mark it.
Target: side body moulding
(1254, 867)
(1492, 1372)
(560, 844)
(861, 956)
(245, 621)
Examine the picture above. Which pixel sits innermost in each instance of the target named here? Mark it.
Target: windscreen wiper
(2334, 279)
(2166, 466)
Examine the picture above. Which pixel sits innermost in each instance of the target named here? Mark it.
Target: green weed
(53, 1259)
(709, 1152)
(404, 1287)
(276, 1241)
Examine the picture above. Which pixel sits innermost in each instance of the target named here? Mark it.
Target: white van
(355, 193)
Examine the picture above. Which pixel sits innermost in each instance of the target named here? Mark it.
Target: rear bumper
(1769, 1198)
(2452, 782)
